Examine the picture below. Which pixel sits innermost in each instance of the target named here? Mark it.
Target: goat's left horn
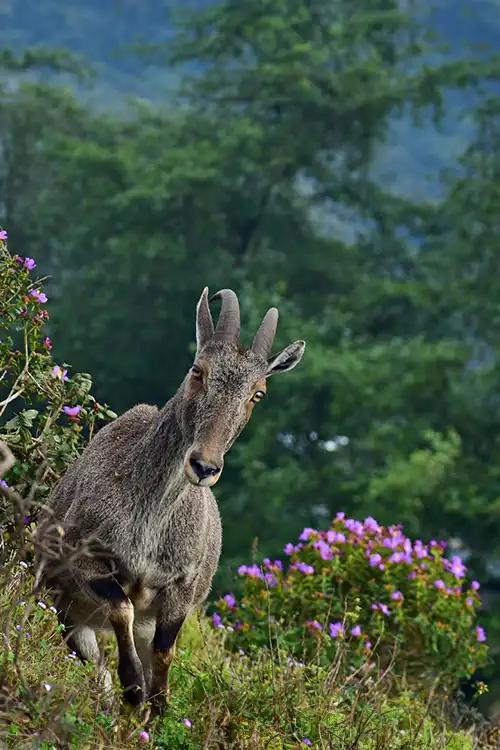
(228, 325)
(263, 341)
(204, 322)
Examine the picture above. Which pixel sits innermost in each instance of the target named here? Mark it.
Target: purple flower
(143, 737)
(355, 527)
(368, 646)
(47, 343)
(27, 520)
(335, 537)
(187, 723)
(3, 235)
(469, 602)
(217, 621)
(273, 564)
(439, 584)
(420, 550)
(324, 550)
(411, 576)
(72, 411)
(340, 516)
(397, 596)
(475, 585)
(379, 607)
(456, 567)
(375, 560)
(252, 571)
(271, 580)
(370, 524)
(3, 484)
(230, 600)
(356, 631)
(480, 634)
(38, 296)
(336, 629)
(307, 534)
(290, 549)
(29, 263)
(60, 374)
(303, 567)
(314, 625)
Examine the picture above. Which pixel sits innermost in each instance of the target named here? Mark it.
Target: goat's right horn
(263, 341)
(204, 322)
(228, 325)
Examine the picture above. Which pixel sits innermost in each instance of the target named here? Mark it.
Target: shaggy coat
(138, 507)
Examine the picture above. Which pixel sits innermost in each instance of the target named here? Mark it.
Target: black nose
(203, 469)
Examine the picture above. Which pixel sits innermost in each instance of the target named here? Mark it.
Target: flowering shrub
(361, 594)
(47, 413)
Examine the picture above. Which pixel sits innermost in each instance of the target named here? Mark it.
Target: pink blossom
(252, 571)
(440, 585)
(313, 625)
(356, 631)
(480, 634)
(336, 629)
(217, 621)
(397, 596)
(304, 568)
(72, 411)
(475, 585)
(307, 534)
(60, 374)
(29, 263)
(324, 550)
(47, 343)
(38, 296)
(143, 737)
(230, 600)
(3, 235)
(187, 723)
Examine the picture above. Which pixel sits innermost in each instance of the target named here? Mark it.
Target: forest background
(338, 160)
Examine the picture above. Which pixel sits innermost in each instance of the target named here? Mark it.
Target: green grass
(50, 700)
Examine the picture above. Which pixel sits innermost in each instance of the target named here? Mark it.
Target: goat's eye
(197, 371)
(258, 396)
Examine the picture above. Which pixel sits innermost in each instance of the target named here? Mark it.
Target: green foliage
(262, 176)
(219, 698)
(359, 594)
(50, 412)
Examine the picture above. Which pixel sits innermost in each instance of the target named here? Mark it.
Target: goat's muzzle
(202, 470)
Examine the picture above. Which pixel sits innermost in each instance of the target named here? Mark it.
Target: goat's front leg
(167, 630)
(120, 613)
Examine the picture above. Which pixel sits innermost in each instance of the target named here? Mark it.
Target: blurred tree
(260, 178)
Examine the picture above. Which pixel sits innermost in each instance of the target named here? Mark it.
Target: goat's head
(225, 382)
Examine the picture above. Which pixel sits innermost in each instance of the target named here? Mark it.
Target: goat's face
(222, 388)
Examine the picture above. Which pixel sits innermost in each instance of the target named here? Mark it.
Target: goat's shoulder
(108, 450)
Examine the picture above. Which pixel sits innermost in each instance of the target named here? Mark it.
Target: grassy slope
(50, 700)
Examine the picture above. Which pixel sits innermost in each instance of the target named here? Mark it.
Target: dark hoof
(134, 694)
(159, 702)
(132, 680)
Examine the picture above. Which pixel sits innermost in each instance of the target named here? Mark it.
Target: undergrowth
(219, 698)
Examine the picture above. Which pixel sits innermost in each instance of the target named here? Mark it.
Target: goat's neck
(163, 454)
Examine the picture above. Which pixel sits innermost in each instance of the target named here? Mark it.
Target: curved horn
(263, 341)
(228, 325)
(204, 322)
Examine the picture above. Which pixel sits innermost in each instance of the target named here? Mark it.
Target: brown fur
(132, 490)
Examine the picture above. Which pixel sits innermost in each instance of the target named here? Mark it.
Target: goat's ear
(287, 359)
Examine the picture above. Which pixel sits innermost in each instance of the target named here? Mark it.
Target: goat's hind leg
(82, 640)
(119, 610)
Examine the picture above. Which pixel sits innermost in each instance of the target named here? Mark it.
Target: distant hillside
(105, 33)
